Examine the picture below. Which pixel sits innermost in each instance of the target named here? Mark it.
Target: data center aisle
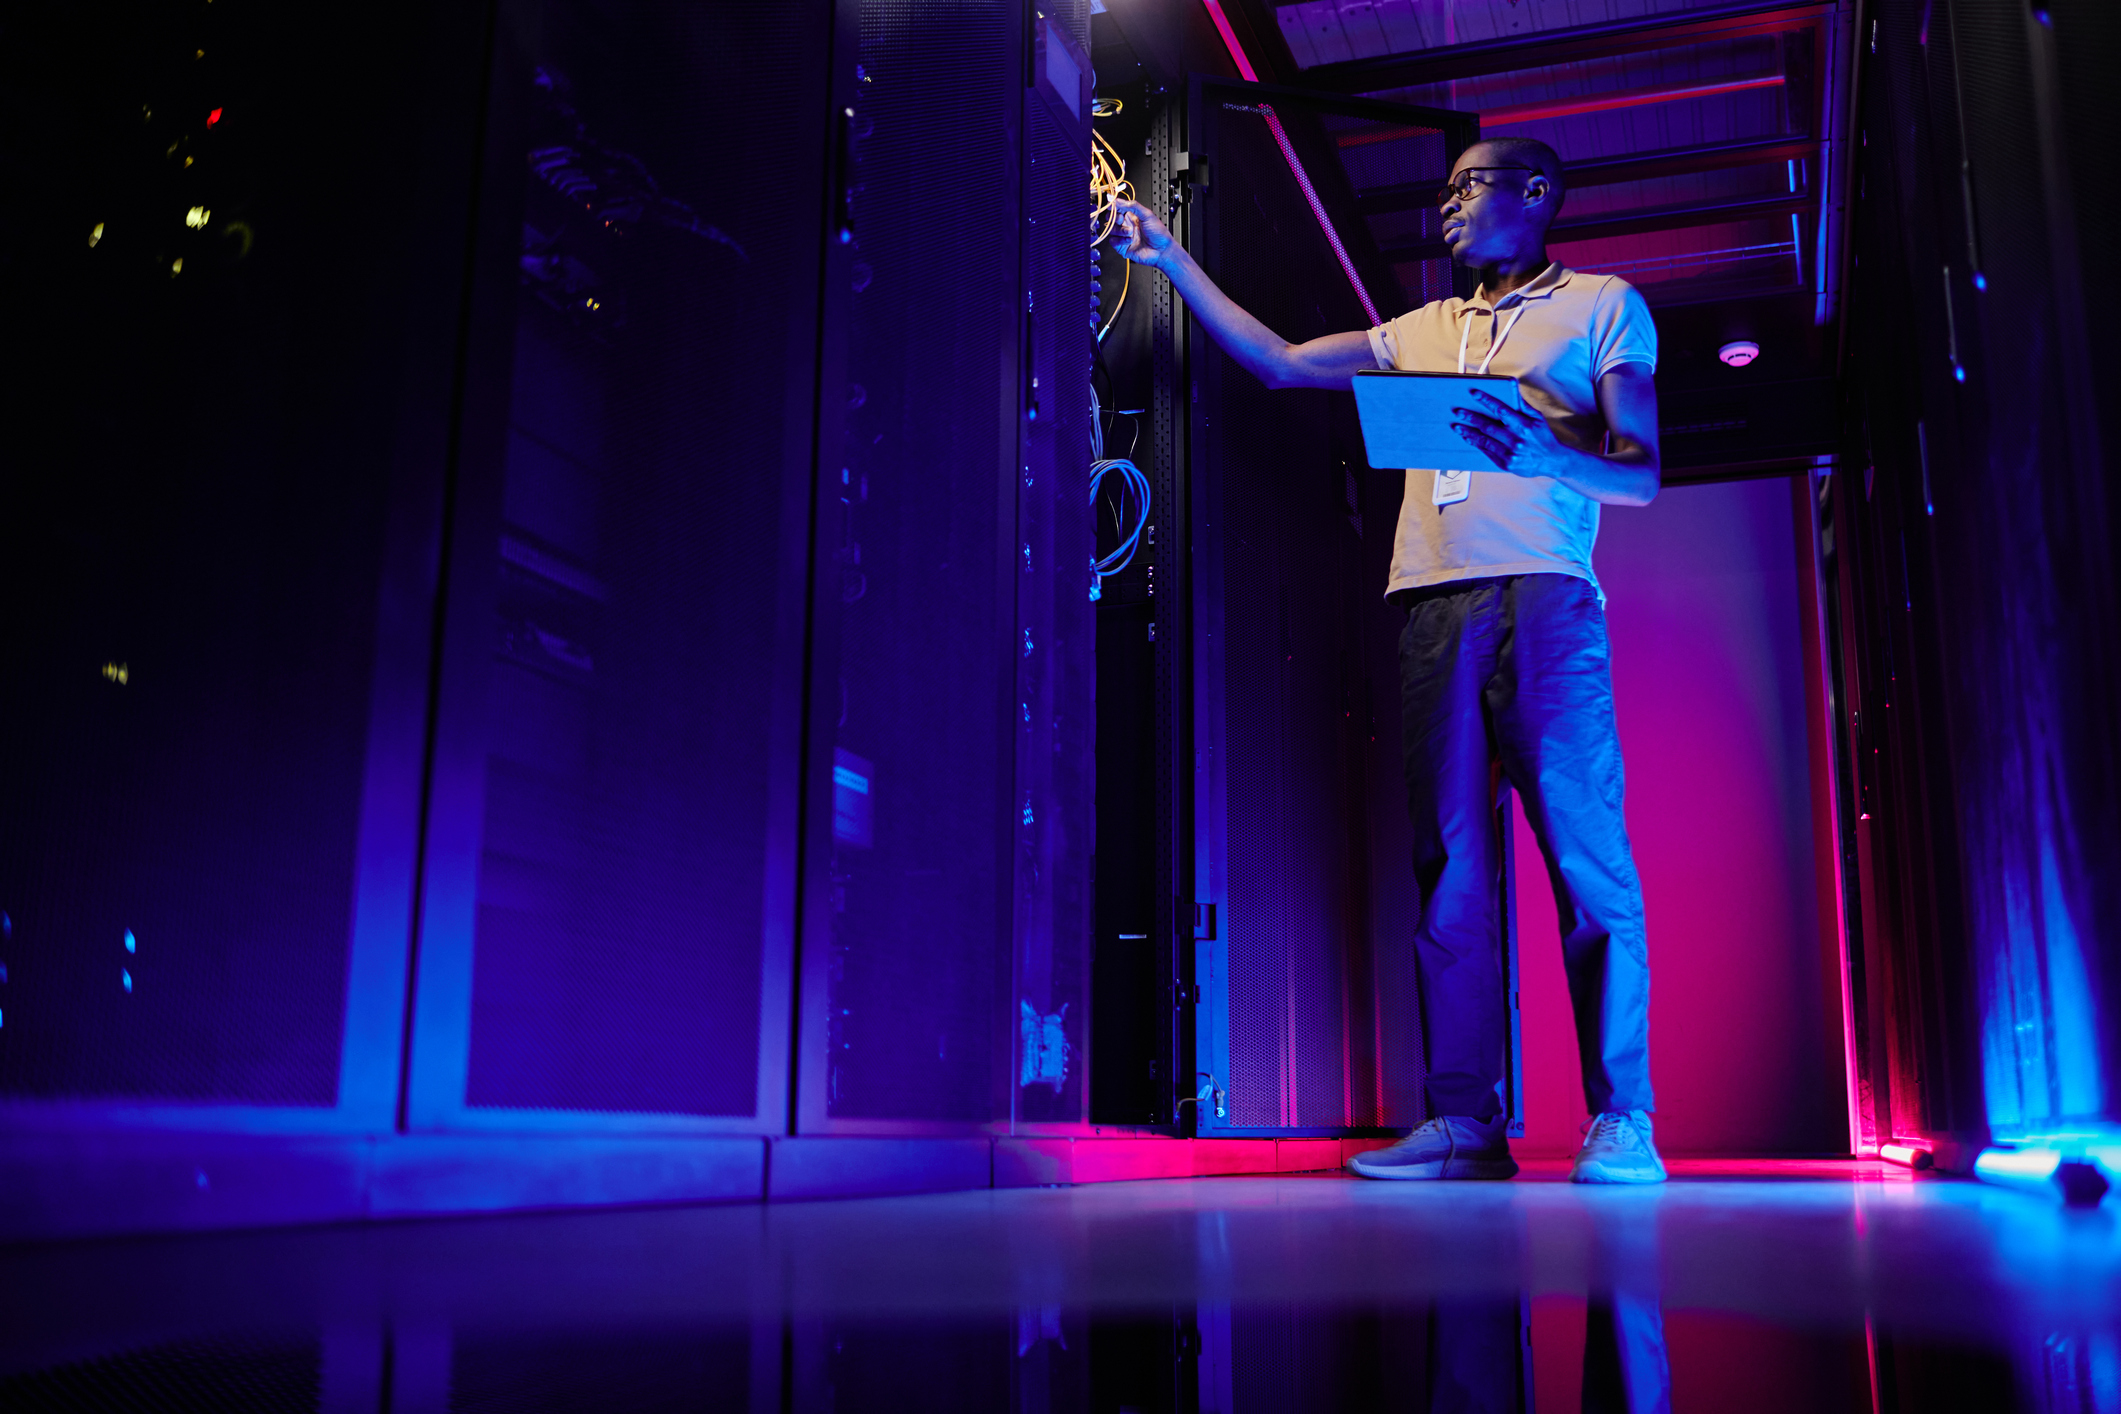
(1771, 1284)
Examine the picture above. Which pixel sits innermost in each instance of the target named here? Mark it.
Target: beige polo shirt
(1573, 329)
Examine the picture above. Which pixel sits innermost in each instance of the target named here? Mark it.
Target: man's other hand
(1142, 238)
(1523, 443)
(1520, 443)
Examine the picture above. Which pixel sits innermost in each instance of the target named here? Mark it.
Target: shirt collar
(1543, 284)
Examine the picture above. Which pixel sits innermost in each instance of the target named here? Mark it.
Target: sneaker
(1617, 1148)
(1449, 1147)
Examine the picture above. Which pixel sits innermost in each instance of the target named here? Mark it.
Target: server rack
(1143, 959)
(606, 921)
(945, 889)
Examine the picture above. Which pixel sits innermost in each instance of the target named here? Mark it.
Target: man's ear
(1537, 188)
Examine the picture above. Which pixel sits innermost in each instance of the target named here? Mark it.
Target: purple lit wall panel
(1706, 618)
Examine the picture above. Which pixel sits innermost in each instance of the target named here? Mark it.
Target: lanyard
(1466, 334)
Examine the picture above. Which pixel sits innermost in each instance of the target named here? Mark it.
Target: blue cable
(1131, 479)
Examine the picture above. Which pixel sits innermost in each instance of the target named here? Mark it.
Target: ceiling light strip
(1621, 98)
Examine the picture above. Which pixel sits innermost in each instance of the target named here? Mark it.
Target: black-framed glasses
(1462, 186)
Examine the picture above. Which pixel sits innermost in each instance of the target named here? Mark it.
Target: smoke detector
(1739, 352)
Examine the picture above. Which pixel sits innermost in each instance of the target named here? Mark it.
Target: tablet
(1407, 417)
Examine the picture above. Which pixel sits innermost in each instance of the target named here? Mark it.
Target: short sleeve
(1383, 346)
(1622, 330)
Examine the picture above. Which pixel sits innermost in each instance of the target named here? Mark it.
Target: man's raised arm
(1327, 362)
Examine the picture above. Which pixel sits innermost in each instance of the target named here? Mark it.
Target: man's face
(1493, 209)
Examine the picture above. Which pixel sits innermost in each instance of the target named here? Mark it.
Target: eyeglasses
(1462, 186)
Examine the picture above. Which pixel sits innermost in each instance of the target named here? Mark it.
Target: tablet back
(1407, 417)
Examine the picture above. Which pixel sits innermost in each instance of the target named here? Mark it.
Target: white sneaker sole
(1438, 1168)
(1616, 1173)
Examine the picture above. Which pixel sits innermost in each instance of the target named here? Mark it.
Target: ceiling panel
(1691, 164)
(1335, 31)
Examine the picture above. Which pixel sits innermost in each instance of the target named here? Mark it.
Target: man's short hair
(1531, 152)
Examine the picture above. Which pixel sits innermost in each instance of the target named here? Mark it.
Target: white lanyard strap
(1466, 334)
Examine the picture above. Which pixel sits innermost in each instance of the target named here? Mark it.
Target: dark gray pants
(1517, 671)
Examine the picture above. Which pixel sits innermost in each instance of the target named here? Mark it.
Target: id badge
(1451, 487)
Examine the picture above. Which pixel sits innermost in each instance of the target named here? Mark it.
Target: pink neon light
(1222, 27)
(1296, 166)
(1621, 98)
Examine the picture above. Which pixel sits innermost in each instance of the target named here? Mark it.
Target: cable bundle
(1108, 188)
(1108, 181)
(1133, 483)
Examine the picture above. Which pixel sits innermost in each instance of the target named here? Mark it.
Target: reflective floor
(1767, 1286)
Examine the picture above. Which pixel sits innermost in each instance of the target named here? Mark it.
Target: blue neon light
(2080, 1087)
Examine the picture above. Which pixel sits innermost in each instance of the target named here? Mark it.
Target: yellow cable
(1125, 280)
(1108, 187)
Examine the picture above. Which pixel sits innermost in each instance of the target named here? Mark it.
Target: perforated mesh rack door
(1054, 719)
(1308, 1018)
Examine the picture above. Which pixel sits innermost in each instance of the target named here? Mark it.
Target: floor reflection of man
(1479, 1356)
(1480, 1353)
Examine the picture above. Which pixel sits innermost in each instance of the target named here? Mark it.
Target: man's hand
(1142, 238)
(1520, 443)
(1523, 444)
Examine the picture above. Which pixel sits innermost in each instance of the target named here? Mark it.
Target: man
(1504, 653)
